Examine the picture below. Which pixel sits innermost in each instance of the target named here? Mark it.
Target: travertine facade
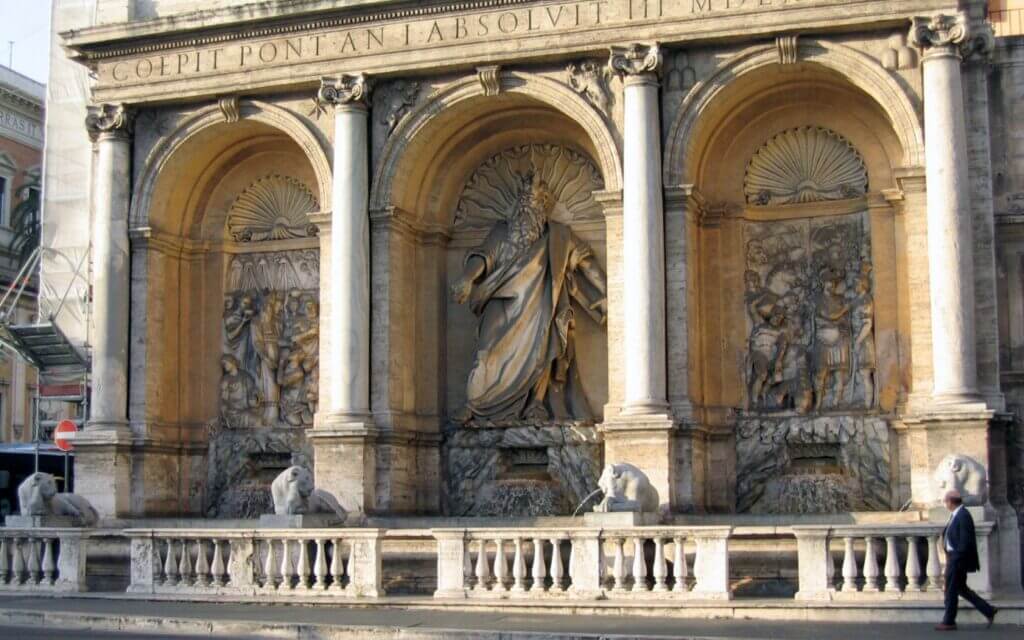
(760, 250)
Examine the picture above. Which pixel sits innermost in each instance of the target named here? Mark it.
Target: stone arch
(857, 68)
(538, 89)
(272, 116)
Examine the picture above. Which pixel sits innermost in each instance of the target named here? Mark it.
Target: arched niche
(187, 259)
(756, 255)
(424, 343)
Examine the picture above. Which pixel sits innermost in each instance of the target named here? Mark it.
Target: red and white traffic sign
(63, 434)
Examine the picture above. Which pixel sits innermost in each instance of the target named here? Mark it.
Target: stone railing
(879, 562)
(308, 562)
(42, 560)
(636, 562)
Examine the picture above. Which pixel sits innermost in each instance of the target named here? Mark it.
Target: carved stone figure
(521, 283)
(266, 333)
(865, 361)
(240, 398)
(293, 493)
(768, 346)
(964, 474)
(831, 340)
(394, 102)
(299, 360)
(238, 315)
(590, 80)
(626, 488)
(37, 496)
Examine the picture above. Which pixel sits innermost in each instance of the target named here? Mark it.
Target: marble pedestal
(617, 519)
(648, 443)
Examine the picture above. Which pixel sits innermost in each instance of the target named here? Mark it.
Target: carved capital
(346, 89)
(109, 120)
(980, 43)
(635, 59)
(490, 79)
(939, 31)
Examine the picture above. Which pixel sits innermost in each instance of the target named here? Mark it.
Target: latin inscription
(433, 32)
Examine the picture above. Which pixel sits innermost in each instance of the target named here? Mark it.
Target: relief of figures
(809, 304)
(271, 340)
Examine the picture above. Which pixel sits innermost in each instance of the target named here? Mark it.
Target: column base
(645, 441)
(103, 463)
(345, 459)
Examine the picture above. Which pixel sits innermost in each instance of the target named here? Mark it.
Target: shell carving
(490, 194)
(808, 164)
(272, 208)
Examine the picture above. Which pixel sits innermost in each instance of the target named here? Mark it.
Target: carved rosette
(636, 60)
(940, 33)
(344, 90)
(109, 120)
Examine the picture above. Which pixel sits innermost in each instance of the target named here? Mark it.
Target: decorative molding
(806, 164)
(274, 207)
(681, 75)
(343, 89)
(492, 191)
(490, 79)
(590, 80)
(899, 56)
(113, 120)
(938, 31)
(635, 59)
(230, 108)
(788, 48)
(394, 101)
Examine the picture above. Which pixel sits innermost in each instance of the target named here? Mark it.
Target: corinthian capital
(344, 89)
(980, 43)
(636, 59)
(938, 31)
(113, 120)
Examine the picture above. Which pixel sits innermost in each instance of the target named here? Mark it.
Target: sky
(27, 24)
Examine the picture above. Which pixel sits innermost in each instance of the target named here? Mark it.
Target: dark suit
(961, 560)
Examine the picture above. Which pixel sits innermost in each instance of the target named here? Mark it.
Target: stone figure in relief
(960, 473)
(768, 345)
(299, 359)
(240, 398)
(266, 333)
(831, 339)
(238, 315)
(863, 318)
(521, 283)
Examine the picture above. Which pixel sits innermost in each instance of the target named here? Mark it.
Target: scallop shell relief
(272, 208)
(807, 164)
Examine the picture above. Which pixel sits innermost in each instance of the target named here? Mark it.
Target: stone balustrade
(42, 560)
(880, 562)
(309, 562)
(635, 562)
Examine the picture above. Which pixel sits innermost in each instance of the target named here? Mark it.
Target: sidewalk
(351, 623)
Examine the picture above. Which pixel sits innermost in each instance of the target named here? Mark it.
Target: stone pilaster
(344, 437)
(103, 462)
(642, 433)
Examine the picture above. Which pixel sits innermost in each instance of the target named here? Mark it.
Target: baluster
(870, 565)
(5, 567)
(500, 568)
(303, 566)
(892, 565)
(680, 572)
(32, 556)
(170, 565)
(17, 563)
(217, 568)
(913, 570)
(270, 564)
(934, 568)
(618, 567)
(287, 568)
(483, 568)
(185, 566)
(49, 565)
(639, 566)
(659, 569)
(518, 568)
(202, 565)
(320, 564)
(337, 566)
(351, 565)
(849, 566)
(556, 565)
(830, 567)
(538, 572)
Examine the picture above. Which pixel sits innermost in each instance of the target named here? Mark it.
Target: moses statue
(520, 283)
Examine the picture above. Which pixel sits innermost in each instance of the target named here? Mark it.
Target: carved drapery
(274, 207)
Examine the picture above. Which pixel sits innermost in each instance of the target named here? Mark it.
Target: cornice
(19, 101)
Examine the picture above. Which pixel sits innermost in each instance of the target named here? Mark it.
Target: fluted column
(110, 128)
(643, 232)
(950, 246)
(348, 395)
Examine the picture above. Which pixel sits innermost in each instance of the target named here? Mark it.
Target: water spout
(589, 496)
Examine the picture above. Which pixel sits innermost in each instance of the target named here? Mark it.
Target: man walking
(961, 559)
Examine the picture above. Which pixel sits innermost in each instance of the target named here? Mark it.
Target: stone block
(621, 519)
(299, 521)
(39, 522)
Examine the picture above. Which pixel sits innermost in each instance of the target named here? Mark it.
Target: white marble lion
(37, 496)
(966, 475)
(294, 493)
(626, 488)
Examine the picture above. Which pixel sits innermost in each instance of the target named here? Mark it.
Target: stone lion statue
(37, 496)
(626, 488)
(966, 475)
(293, 494)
